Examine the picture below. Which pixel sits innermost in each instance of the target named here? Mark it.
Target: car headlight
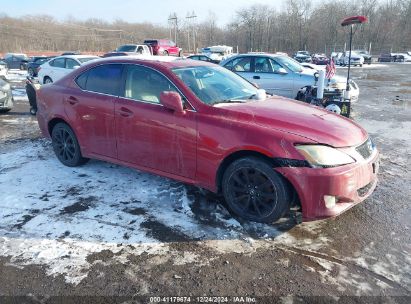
(324, 156)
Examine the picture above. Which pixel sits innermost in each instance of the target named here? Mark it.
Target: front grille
(365, 149)
(364, 190)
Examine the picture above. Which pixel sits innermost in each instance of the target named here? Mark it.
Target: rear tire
(30, 71)
(254, 191)
(165, 53)
(66, 146)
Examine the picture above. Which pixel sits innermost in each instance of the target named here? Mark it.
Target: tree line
(300, 25)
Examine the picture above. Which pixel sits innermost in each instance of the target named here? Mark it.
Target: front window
(70, 63)
(214, 85)
(145, 84)
(291, 64)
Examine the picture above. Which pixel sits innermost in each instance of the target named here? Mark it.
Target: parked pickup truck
(130, 49)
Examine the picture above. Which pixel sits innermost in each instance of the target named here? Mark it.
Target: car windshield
(126, 48)
(213, 85)
(83, 60)
(289, 63)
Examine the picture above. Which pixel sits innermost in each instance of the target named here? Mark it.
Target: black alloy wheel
(254, 191)
(65, 146)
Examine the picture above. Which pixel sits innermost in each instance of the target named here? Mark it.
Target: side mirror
(172, 101)
(281, 71)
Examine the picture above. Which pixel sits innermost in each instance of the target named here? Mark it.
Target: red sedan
(204, 125)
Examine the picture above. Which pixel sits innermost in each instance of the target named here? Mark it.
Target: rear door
(243, 66)
(150, 135)
(91, 108)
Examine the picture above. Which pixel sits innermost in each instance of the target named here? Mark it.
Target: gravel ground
(104, 233)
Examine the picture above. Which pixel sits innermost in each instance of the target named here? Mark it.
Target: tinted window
(126, 48)
(102, 79)
(82, 80)
(70, 63)
(58, 63)
(145, 84)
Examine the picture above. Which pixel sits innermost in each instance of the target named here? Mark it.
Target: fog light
(330, 201)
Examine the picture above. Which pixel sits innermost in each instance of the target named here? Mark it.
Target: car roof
(77, 56)
(256, 55)
(165, 61)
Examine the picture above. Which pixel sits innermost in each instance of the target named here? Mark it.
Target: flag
(330, 69)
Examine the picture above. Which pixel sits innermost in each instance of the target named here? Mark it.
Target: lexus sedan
(202, 124)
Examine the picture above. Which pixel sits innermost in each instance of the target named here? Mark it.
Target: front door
(149, 134)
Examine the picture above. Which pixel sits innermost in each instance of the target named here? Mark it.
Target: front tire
(254, 191)
(30, 72)
(66, 146)
(165, 53)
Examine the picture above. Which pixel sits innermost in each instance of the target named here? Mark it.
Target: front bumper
(350, 184)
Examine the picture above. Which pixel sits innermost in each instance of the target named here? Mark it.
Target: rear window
(126, 48)
(152, 42)
(102, 79)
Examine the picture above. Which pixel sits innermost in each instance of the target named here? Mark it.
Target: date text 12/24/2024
(203, 299)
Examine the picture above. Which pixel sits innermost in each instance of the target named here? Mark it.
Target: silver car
(279, 74)
(6, 97)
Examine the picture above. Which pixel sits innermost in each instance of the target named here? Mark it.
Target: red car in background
(320, 59)
(202, 124)
(164, 47)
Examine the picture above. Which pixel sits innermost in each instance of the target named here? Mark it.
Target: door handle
(256, 77)
(125, 112)
(72, 100)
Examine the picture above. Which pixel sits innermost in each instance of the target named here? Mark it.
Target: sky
(155, 11)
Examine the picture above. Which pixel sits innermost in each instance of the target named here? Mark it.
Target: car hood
(300, 119)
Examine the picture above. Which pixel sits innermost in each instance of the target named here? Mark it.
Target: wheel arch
(229, 159)
(53, 122)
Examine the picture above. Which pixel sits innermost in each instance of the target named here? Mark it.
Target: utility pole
(173, 18)
(191, 16)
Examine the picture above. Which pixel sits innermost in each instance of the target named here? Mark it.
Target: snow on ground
(56, 216)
